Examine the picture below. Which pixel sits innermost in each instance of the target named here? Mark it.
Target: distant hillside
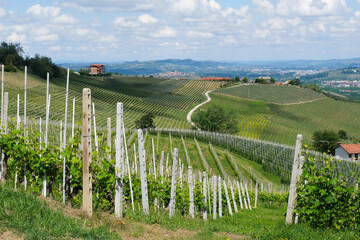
(253, 69)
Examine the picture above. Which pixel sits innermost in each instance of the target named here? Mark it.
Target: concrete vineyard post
(25, 126)
(95, 133)
(206, 165)
(256, 194)
(108, 138)
(186, 153)
(119, 165)
(65, 128)
(191, 193)
(86, 140)
(208, 183)
(243, 194)
(18, 112)
(173, 183)
(294, 178)
(73, 120)
(220, 198)
(204, 196)
(2, 96)
(248, 198)
(128, 169)
(135, 158)
(227, 198)
(214, 181)
(162, 164)
(239, 193)
(233, 197)
(153, 155)
(144, 189)
(5, 105)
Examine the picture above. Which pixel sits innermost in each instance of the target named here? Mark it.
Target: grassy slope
(32, 218)
(281, 123)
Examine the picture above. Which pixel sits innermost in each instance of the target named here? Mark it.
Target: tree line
(13, 57)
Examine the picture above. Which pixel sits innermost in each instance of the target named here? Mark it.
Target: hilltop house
(97, 69)
(348, 151)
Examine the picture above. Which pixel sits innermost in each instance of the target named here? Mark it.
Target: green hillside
(281, 123)
(169, 100)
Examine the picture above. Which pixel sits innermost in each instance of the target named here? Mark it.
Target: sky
(218, 30)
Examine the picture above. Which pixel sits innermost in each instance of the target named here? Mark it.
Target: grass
(28, 215)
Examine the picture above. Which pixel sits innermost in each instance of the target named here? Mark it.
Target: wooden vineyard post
(294, 177)
(220, 198)
(119, 166)
(128, 168)
(108, 139)
(144, 189)
(227, 198)
(205, 198)
(86, 140)
(214, 180)
(173, 183)
(191, 192)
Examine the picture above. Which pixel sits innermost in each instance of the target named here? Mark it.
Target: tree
(237, 79)
(216, 119)
(261, 81)
(146, 121)
(325, 141)
(272, 80)
(342, 134)
(245, 80)
(295, 82)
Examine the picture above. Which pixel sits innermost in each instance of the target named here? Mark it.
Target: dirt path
(208, 99)
(131, 229)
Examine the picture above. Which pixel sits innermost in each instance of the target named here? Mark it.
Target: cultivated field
(271, 93)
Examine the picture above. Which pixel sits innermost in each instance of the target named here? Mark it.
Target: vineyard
(169, 100)
(281, 123)
(272, 93)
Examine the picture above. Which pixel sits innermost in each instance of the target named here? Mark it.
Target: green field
(169, 100)
(281, 123)
(271, 93)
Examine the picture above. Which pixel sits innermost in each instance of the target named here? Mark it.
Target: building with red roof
(97, 69)
(348, 151)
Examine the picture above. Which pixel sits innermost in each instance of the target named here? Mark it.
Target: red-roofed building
(215, 79)
(348, 151)
(97, 69)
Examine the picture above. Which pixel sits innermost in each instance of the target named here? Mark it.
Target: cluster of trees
(216, 119)
(12, 56)
(326, 141)
(263, 81)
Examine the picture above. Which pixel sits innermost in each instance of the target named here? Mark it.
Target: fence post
(144, 189)
(191, 192)
(205, 199)
(86, 139)
(119, 165)
(173, 184)
(294, 178)
(108, 140)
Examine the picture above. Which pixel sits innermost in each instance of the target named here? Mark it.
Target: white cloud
(2, 13)
(261, 33)
(122, 22)
(65, 19)
(68, 48)
(186, 7)
(146, 18)
(107, 39)
(164, 33)
(229, 40)
(110, 5)
(83, 9)
(39, 11)
(14, 37)
(40, 31)
(195, 34)
(55, 48)
(46, 38)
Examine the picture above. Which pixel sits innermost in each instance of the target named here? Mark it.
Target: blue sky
(234, 30)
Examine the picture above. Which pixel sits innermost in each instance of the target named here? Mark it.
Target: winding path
(196, 107)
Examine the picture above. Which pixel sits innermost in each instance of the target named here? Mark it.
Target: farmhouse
(348, 151)
(215, 79)
(97, 69)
